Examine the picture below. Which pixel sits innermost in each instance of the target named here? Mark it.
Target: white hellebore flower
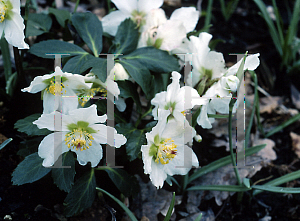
(174, 100)
(168, 34)
(166, 153)
(118, 73)
(11, 23)
(80, 133)
(134, 9)
(69, 84)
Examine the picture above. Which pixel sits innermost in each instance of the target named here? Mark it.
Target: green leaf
(64, 177)
(128, 89)
(38, 24)
(129, 213)
(124, 182)
(135, 139)
(127, 37)
(29, 146)
(11, 84)
(29, 170)
(277, 189)
(5, 143)
(55, 47)
(81, 195)
(6, 58)
(140, 74)
(75, 64)
(154, 59)
(90, 30)
(223, 162)
(60, 15)
(170, 210)
(229, 188)
(98, 65)
(102, 107)
(246, 182)
(26, 126)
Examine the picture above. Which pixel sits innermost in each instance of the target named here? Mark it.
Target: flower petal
(94, 154)
(146, 159)
(36, 85)
(126, 6)
(88, 114)
(188, 16)
(148, 5)
(157, 175)
(111, 22)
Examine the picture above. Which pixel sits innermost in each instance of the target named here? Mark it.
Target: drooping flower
(11, 23)
(69, 84)
(81, 133)
(174, 100)
(166, 152)
(134, 9)
(168, 34)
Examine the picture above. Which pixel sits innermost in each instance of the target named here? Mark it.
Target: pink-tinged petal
(94, 154)
(112, 21)
(189, 16)
(148, 5)
(50, 144)
(36, 85)
(126, 6)
(14, 30)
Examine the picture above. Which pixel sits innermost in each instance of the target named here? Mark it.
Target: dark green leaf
(98, 65)
(64, 177)
(11, 84)
(128, 89)
(29, 170)
(154, 59)
(90, 30)
(25, 125)
(55, 47)
(38, 24)
(101, 106)
(127, 37)
(60, 15)
(75, 64)
(82, 194)
(140, 74)
(29, 146)
(170, 210)
(277, 189)
(124, 182)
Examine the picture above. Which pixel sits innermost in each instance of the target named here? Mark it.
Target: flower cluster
(79, 130)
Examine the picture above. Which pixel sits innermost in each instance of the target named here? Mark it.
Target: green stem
(108, 6)
(76, 6)
(142, 116)
(6, 58)
(185, 182)
(231, 104)
(19, 67)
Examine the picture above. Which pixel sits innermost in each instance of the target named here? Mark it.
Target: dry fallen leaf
(295, 143)
(269, 104)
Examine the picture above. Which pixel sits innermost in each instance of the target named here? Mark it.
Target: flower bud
(230, 83)
(118, 73)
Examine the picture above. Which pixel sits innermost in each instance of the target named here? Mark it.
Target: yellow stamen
(78, 139)
(166, 151)
(51, 89)
(3, 10)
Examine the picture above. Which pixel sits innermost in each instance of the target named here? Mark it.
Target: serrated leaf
(140, 74)
(127, 36)
(55, 47)
(90, 30)
(38, 24)
(29, 170)
(124, 182)
(29, 146)
(128, 89)
(60, 15)
(98, 65)
(82, 194)
(26, 126)
(75, 64)
(154, 59)
(64, 177)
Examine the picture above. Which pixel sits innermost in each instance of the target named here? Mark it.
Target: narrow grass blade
(5, 143)
(277, 189)
(228, 188)
(199, 217)
(169, 213)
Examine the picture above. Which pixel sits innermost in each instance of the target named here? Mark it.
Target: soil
(245, 30)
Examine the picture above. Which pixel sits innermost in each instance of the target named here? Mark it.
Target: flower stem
(142, 116)
(76, 6)
(19, 67)
(234, 163)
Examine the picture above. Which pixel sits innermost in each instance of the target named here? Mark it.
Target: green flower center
(138, 17)
(5, 7)
(80, 136)
(163, 151)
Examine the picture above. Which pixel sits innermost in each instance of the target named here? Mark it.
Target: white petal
(203, 119)
(119, 139)
(155, 18)
(101, 135)
(50, 144)
(93, 154)
(146, 159)
(126, 6)
(36, 85)
(14, 30)
(88, 114)
(173, 88)
(157, 175)
(45, 121)
(120, 104)
(49, 103)
(188, 16)
(112, 21)
(69, 101)
(252, 62)
(148, 5)
(158, 101)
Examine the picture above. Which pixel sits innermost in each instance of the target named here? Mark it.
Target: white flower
(103, 87)
(118, 73)
(134, 9)
(230, 83)
(173, 100)
(168, 34)
(80, 132)
(166, 152)
(11, 23)
(69, 84)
